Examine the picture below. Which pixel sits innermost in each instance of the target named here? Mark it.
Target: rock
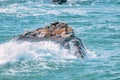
(57, 32)
(64, 35)
(59, 1)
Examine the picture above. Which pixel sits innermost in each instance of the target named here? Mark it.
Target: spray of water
(14, 51)
(46, 50)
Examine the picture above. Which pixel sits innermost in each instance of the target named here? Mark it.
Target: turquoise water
(96, 22)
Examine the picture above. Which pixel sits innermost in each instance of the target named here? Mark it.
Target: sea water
(95, 22)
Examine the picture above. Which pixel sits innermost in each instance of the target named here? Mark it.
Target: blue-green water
(96, 22)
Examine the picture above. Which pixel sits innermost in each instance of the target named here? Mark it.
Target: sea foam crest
(46, 50)
(26, 10)
(15, 51)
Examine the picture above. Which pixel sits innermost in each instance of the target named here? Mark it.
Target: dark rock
(57, 32)
(59, 1)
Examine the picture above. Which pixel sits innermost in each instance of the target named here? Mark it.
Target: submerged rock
(57, 32)
(59, 1)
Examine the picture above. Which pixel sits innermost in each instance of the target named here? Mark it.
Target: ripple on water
(96, 22)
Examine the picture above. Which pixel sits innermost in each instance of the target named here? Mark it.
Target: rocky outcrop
(57, 32)
(59, 1)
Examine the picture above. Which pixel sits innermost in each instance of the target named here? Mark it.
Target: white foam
(10, 52)
(13, 51)
(25, 10)
(74, 11)
(21, 10)
(91, 54)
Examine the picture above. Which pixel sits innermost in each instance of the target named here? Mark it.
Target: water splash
(91, 54)
(15, 51)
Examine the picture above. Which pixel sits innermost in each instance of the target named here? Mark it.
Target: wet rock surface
(58, 32)
(59, 1)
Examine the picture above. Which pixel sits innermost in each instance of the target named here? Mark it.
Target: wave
(9, 2)
(86, 2)
(20, 59)
(92, 2)
(23, 11)
(38, 8)
(15, 51)
(45, 50)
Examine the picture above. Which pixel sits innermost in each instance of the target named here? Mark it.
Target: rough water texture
(96, 22)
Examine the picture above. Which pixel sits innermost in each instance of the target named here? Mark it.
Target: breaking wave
(35, 57)
(14, 51)
(46, 50)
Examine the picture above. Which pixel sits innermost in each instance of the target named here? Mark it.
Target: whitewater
(95, 22)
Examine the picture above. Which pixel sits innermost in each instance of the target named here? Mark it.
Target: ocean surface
(95, 22)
